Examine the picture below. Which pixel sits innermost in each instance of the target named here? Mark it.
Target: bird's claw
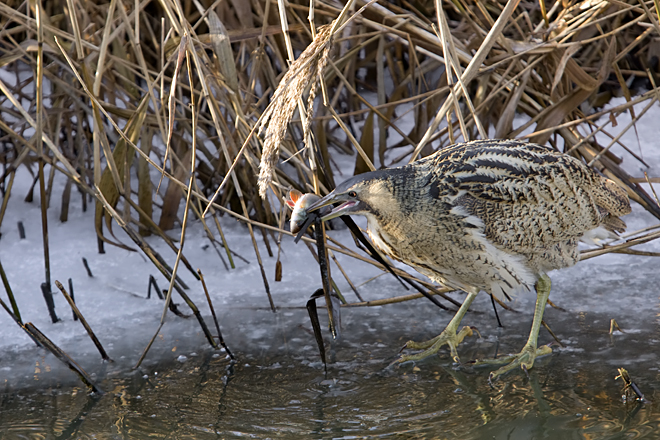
(490, 380)
(524, 359)
(432, 346)
(475, 329)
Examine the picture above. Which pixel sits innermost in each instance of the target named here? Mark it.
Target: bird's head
(363, 194)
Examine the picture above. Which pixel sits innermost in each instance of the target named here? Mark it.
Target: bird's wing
(529, 197)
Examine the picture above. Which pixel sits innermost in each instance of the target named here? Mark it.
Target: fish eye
(352, 194)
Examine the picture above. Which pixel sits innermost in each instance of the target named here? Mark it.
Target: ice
(115, 305)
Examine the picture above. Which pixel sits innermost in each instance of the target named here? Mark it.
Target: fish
(299, 203)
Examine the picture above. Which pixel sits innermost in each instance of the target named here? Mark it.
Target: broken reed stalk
(10, 294)
(86, 264)
(73, 298)
(36, 334)
(46, 286)
(153, 284)
(83, 321)
(334, 286)
(547, 327)
(7, 194)
(17, 320)
(50, 303)
(630, 388)
(316, 326)
(215, 318)
(346, 277)
(319, 232)
(397, 299)
(587, 254)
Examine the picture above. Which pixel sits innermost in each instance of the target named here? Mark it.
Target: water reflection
(279, 390)
(208, 400)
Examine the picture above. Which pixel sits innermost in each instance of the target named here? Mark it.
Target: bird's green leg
(525, 359)
(449, 336)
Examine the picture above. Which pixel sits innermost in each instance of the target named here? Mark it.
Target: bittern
(490, 215)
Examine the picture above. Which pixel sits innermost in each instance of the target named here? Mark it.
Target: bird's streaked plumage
(487, 215)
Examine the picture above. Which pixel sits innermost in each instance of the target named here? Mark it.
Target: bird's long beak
(329, 200)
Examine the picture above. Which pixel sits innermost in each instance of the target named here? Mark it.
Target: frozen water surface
(278, 388)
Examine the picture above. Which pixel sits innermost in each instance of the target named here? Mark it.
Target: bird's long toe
(432, 346)
(524, 360)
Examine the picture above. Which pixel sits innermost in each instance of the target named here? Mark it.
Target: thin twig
(83, 321)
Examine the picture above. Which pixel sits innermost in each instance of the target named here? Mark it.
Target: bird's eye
(352, 194)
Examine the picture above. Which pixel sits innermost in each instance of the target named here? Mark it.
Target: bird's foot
(448, 336)
(524, 360)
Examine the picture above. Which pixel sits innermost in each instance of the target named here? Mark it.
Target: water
(278, 388)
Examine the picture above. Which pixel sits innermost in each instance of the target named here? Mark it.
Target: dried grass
(303, 73)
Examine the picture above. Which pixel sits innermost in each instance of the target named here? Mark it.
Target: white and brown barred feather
(490, 215)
